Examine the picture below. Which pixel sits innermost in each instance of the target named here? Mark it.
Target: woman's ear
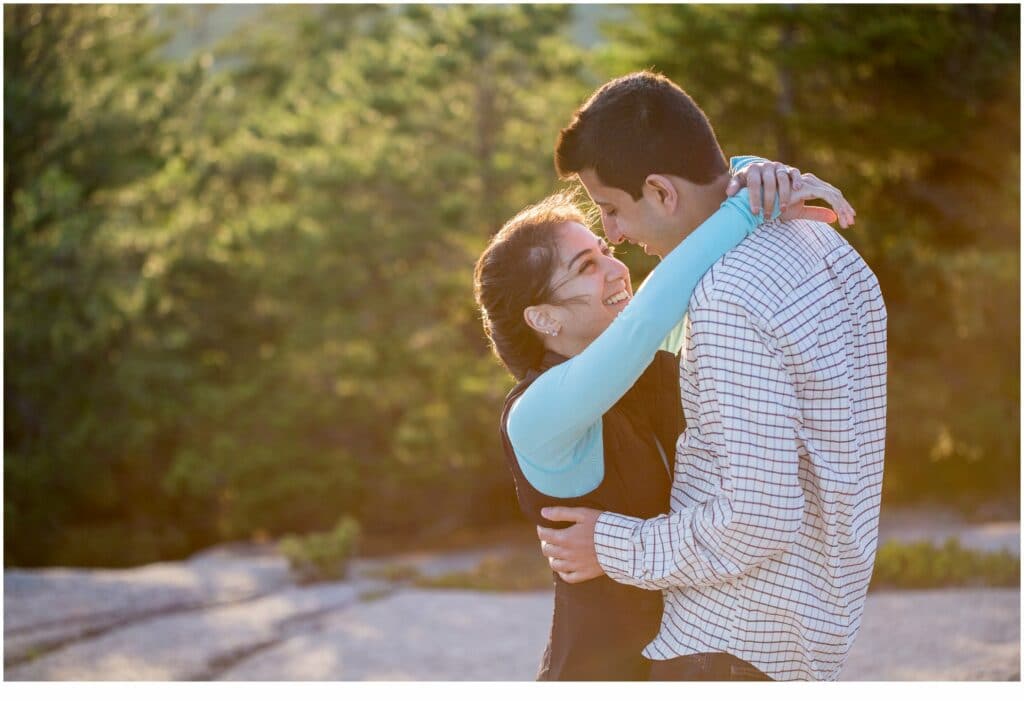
(663, 191)
(542, 319)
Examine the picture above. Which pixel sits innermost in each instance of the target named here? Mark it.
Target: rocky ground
(233, 613)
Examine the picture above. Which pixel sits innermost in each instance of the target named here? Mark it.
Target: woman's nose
(614, 269)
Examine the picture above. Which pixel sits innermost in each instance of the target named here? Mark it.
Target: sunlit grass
(522, 570)
(922, 565)
(393, 573)
(919, 565)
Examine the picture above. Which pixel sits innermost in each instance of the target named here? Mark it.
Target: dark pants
(706, 667)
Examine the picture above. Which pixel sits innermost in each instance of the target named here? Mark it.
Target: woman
(599, 433)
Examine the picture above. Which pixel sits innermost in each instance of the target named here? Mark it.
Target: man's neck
(701, 202)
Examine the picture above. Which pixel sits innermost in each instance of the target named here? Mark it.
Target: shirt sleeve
(746, 434)
(554, 425)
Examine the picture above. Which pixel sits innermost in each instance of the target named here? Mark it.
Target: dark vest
(600, 626)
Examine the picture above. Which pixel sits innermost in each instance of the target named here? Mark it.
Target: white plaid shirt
(769, 546)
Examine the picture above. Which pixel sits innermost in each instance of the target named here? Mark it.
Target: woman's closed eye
(589, 263)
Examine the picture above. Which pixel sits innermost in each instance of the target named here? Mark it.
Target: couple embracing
(703, 460)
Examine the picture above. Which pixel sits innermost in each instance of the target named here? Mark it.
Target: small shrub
(372, 595)
(394, 573)
(922, 565)
(318, 557)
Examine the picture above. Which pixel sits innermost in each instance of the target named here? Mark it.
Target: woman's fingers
(835, 198)
(754, 188)
(734, 186)
(783, 176)
(769, 178)
(814, 187)
(766, 180)
(777, 180)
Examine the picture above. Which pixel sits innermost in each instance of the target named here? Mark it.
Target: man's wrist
(614, 543)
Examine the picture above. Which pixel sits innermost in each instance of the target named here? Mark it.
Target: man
(766, 555)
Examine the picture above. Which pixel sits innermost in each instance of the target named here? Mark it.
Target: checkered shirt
(768, 549)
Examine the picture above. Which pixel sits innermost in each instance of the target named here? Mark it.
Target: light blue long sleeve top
(555, 425)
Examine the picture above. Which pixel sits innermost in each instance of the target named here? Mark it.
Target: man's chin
(648, 248)
(652, 251)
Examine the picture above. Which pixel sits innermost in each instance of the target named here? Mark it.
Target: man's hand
(570, 551)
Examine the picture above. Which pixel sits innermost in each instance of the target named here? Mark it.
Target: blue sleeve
(737, 162)
(555, 426)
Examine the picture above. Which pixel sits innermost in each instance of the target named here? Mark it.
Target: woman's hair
(514, 272)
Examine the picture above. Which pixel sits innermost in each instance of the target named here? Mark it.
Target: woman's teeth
(617, 297)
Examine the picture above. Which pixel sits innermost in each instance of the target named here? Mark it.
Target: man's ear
(663, 191)
(543, 319)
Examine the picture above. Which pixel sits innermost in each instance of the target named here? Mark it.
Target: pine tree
(914, 112)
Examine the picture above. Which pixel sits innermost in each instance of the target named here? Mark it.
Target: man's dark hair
(639, 124)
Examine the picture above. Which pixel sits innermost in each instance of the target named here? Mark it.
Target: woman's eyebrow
(576, 257)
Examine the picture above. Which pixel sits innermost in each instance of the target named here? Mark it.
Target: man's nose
(611, 231)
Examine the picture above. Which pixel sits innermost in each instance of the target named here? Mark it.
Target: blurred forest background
(238, 246)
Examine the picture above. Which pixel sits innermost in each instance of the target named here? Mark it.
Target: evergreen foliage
(238, 284)
(261, 314)
(913, 111)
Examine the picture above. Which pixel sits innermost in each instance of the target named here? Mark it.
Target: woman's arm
(555, 425)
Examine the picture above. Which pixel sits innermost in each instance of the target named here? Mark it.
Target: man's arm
(740, 451)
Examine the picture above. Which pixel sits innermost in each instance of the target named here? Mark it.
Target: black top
(600, 626)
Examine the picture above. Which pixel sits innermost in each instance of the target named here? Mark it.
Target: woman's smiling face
(590, 286)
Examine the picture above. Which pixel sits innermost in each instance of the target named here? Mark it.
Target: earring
(554, 332)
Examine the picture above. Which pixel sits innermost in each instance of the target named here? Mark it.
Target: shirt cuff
(738, 162)
(615, 544)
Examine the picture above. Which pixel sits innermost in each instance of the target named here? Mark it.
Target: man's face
(644, 222)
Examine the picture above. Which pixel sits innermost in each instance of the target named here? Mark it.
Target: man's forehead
(598, 191)
(590, 179)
